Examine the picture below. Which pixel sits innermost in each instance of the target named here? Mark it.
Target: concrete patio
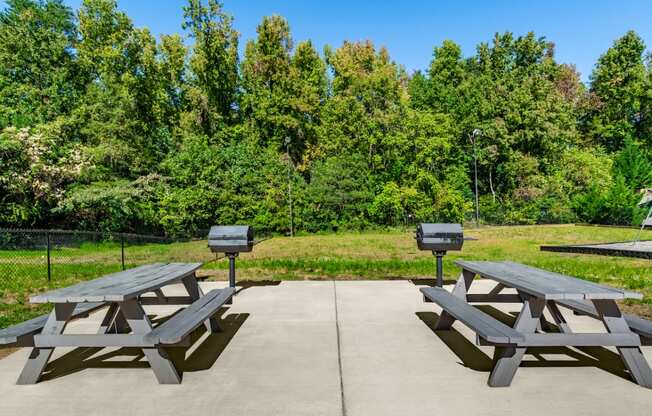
(325, 348)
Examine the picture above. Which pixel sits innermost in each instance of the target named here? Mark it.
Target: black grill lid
(231, 232)
(231, 238)
(440, 230)
(440, 237)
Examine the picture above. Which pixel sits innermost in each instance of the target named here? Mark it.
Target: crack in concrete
(339, 350)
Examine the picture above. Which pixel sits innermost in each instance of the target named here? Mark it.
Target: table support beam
(509, 358)
(633, 357)
(163, 368)
(460, 290)
(39, 357)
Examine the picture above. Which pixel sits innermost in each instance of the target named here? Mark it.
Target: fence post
(47, 237)
(122, 250)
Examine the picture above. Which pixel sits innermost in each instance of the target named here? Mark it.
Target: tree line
(103, 126)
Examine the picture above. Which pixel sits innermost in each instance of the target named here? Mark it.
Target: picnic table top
(544, 284)
(118, 287)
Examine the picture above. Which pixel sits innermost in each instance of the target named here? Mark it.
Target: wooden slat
(118, 287)
(484, 325)
(174, 330)
(544, 284)
(102, 283)
(12, 334)
(589, 289)
(502, 274)
(581, 340)
(131, 288)
(84, 340)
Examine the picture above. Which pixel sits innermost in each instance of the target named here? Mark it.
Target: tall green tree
(282, 89)
(266, 83)
(310, 89)
(369, 97)
(213, 64)
(124, 115)
(39, 78)
(619, 83)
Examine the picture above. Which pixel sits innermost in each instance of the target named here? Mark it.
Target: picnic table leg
(113, 322)
(632, 356)
(39, 357)
(163, 368)
(509, 358)
(460, 290)
(195, 292)
(558, 317)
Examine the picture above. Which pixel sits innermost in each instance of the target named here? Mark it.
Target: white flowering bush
(34, 173)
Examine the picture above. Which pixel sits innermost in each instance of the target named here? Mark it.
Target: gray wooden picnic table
(537, 290)
(125, 323)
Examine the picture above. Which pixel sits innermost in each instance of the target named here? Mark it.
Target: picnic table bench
(537, 290)
(125, 323)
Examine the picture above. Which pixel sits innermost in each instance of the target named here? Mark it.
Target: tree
(619, 83)
(446, 73)
(266, 83)
(39, 79)
(124, 115)
(283, 89)
(367, 105)
(310, 86)
(339, 193)
(213, 64)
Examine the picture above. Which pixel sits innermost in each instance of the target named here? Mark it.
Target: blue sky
(581, 29)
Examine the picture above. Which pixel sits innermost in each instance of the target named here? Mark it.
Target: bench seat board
(174, 330)
(484, 325)
(12, 334)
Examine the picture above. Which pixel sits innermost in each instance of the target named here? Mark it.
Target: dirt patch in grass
(640, 309)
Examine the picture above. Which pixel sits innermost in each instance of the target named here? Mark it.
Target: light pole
(474, 135)
(287, 151)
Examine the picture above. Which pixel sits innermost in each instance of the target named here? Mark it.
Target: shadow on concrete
(246, 284)
(431, 282)
(201, 357)
(470, 355)
(474, 358)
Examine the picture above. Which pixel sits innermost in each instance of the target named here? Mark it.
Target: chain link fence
(58, 254)
(33, 261)
(36, 260)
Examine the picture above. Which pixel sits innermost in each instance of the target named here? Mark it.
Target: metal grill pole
(232, 257)
(122, 250)
(440, 268)
(47, 237)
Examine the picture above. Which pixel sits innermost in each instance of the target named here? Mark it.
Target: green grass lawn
(367, 255)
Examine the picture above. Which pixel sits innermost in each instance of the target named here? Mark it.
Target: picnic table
(125, 323)
(538, 290)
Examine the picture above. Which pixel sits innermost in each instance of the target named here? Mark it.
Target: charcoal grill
(231, 240)
(439, 238)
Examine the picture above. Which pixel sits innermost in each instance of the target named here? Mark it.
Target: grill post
(122, 250)
(232, 257)
(440, 267)
(47, 237)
